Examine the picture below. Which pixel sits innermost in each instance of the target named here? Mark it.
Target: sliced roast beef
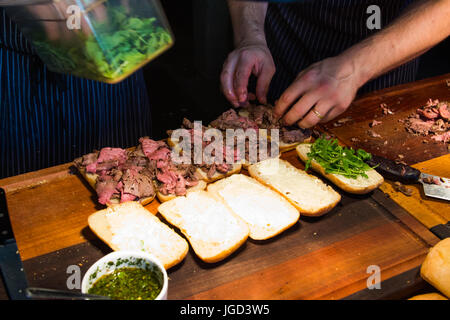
(231, 120)
(294, 135)
(149, 146)
(138, 182)
(106, 187)
(108, 158)
(444, 110)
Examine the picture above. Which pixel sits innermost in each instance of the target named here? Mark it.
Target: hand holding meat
(319, 93)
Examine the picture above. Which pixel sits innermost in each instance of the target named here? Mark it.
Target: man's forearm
(248, 18)
(423, 26)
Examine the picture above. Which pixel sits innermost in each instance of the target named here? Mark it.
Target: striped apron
(302, 33)
(48, 119)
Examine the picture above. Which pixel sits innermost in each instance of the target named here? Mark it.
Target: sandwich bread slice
(310, 195)
(265, 211)
(212, 228)
(358, 185)
(129, 226)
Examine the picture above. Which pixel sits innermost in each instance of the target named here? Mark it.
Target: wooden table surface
(318, 258)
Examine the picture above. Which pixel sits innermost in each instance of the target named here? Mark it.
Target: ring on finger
(317, 113)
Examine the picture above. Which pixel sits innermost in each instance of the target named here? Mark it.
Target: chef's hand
(320, 93)
(252, 58)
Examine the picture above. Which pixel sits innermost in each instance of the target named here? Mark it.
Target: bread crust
(429, 296)
(163, 198)
(350, 188)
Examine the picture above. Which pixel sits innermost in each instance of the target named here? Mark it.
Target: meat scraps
(432, 119)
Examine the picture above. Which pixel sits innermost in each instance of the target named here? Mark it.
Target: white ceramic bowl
(120, 259)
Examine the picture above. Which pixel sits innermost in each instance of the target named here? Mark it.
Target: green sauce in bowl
(129, 283)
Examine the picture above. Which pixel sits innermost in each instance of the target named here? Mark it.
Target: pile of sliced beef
(130, 175)
(214, 165)
(263, 118)
(171, 177)
(431, 119)
(124, 175)
(121, 175)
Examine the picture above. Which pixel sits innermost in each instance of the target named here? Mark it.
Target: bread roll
(436, 267)
(360, 185)
(211, 227)
(129, 226)
(307, 193)
(265, 211)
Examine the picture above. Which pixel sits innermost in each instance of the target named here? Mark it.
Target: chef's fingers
(227, 77)
(305, 103)
(263, 82)
(242, 74)
(333, 113)
(316, 114)
(303, 83)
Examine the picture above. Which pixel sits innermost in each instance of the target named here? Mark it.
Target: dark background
(184, 81)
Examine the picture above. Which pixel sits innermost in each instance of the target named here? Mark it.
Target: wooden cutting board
(395, 142)
(318, 258)
(430, 212)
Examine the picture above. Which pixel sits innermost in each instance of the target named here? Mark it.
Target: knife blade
(11, 267)
(433, 186)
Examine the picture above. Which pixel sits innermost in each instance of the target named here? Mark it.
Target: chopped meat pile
(171, 178)
(122, 175)
(260, 117)
(212, 165)
(431, 119)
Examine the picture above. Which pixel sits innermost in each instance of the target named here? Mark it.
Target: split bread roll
(265, 211)
(436, 267)
(212, 228)
(307, 193)
(201, 185)
(129, 226)
(235, 168)
(360, 185)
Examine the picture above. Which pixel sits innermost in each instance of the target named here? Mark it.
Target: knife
(11, 267)
(433, 186)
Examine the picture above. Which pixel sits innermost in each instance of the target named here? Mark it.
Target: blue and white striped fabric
(302, 33)
(47, 119)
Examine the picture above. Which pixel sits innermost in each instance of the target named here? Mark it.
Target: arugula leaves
(338, 159)
(115, 47)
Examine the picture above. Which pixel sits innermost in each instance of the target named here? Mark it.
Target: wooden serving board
(395, 142)
(318, 258)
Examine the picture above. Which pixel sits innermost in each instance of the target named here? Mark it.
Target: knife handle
(394, 171)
